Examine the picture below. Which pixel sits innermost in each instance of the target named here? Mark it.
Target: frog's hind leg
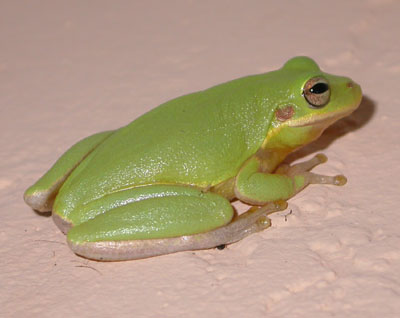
(41, 195)
(182, 219)
(252, 221)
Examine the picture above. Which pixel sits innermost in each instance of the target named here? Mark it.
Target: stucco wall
(69, 69)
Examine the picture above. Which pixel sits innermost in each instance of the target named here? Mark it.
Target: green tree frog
(164, 183)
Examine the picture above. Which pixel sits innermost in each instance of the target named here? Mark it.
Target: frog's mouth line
(316, 120)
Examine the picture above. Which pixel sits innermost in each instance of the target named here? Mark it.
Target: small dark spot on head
(350, 84)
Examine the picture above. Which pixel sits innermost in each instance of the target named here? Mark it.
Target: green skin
(164, 182)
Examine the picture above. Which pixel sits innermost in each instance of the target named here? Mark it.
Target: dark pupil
(319, 88)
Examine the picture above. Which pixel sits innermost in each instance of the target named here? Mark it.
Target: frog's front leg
(256, 187)
(160, 219)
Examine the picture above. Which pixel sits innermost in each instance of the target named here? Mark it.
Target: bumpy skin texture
(163, 183)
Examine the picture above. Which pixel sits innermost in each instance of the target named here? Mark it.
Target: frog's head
(309, 101)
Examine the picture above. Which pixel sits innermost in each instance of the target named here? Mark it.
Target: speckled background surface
(71, 68)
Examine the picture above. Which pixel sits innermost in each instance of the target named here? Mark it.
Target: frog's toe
(307, 165)
(313, 178)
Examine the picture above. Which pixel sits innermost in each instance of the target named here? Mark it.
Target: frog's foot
(254, 220)
(303, 170)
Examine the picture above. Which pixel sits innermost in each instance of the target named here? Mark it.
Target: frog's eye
(317, 92)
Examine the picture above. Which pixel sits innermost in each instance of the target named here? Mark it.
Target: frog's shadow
(43, 214)
(359, 118)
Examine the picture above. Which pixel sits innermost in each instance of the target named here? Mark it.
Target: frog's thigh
(166, 212)
(40, 196)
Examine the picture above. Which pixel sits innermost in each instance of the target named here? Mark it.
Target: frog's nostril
(350, 84)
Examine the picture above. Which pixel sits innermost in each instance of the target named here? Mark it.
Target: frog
(167, 182)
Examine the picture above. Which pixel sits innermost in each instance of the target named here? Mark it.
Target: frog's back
(199, 139)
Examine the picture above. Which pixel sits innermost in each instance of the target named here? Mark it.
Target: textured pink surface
(69, 69)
